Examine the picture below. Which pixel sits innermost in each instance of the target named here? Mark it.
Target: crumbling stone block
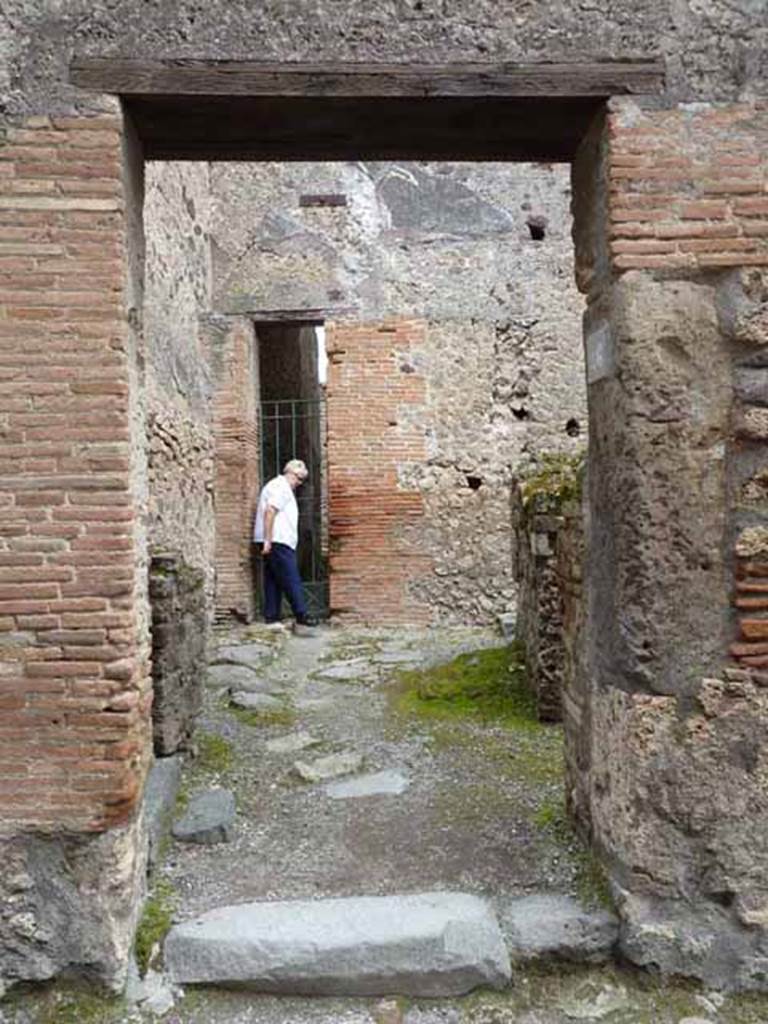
(179, 629)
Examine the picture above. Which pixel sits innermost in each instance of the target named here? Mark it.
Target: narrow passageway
(411, 795)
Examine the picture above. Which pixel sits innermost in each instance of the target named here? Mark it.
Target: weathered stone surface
(291, 743)
(72, 904)
(428, 944)
(713, 924)
(208, 819)
(234, 677)
(386, 783)
(328, 767)
(159, 800)
(348, 671)
(597, 1003)
(255, 701)
(396, 658)
(179, 631)
(541, 927)
(152, 992)
(251, 655)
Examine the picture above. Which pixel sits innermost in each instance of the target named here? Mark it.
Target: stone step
(426, 944)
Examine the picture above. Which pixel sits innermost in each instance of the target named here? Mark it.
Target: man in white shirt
(277, 531)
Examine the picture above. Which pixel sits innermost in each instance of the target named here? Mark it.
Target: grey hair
(297, 467)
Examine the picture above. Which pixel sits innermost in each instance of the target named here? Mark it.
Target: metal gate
(295, 429)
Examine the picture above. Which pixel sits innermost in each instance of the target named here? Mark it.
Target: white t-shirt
(278, 493)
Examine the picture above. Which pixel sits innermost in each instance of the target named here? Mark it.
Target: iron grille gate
(295, 429)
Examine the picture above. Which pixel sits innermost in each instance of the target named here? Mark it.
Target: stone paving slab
(386, 783)
(428, 944)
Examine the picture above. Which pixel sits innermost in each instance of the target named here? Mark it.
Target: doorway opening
(292, 425)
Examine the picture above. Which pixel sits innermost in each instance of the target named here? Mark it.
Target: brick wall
(236, 461)
(688, 187)
(374, 394)
(73, 682)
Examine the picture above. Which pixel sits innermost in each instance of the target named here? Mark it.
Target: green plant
(489, 685)
(274, 716)
(214, 752)
(556, 478)
(156, 920)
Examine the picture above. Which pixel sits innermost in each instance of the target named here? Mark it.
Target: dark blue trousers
(281, 576)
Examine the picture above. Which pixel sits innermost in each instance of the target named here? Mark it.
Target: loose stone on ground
(386, 783)
(256, 701)
(292, 743)
(208, 819)
(431, 944)
(328, 767)
(234, 677)
(544, 926)
(250, 655)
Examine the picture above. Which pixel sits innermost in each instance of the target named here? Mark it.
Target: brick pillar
(74, 680)
(671, 240)
(374, 390)
(232, 349)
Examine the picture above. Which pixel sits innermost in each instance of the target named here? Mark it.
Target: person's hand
(267, 547)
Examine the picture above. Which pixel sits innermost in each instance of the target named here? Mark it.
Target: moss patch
(214, 752)
(255, 719)
(485, 685)
(557, 478)
(155, 922)
(62, 1005)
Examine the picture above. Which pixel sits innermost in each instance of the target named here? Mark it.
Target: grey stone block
(234, 677)
(539, 927)
(250, 655)
(255, 701)
(291, 743)
(386, 783)
(159, 800)
(329, 767)
(430, 944)
(208, 819)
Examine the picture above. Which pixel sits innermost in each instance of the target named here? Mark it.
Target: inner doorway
(292, 425)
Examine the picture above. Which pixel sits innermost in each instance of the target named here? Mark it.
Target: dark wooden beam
(374, 128)
(124, 77)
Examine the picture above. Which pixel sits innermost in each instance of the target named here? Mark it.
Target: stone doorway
(673, 334)
(293, 425)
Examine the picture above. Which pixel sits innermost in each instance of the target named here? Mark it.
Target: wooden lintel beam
(125, 77)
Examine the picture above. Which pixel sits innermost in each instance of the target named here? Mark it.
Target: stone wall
(501, 353)
(177, 378)
(179, 633)
(74, 693)
(547, 518)
(671, 745)
(679, 806)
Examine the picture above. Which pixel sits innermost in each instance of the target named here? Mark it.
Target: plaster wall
(500, 361)
(177, 385)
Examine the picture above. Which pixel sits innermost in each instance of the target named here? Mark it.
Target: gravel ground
(479, 815)
(466, 820)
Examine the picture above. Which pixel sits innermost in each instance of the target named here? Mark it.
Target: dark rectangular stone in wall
(329, 199)
(179, 629)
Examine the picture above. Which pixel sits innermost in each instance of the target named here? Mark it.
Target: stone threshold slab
(426, 944)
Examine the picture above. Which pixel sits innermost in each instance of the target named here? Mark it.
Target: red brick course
(688, 188)
(372, 388)
(74, 701)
